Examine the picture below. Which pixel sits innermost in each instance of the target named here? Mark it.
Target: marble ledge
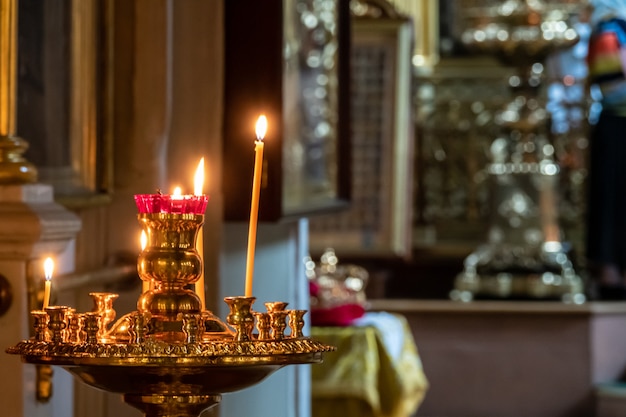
(26, 193)
(413, 306)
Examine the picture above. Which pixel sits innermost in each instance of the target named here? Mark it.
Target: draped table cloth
(375, 372)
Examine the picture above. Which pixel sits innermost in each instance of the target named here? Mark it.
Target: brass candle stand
(169, 358)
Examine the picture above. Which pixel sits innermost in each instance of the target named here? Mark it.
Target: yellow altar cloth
(375, 372)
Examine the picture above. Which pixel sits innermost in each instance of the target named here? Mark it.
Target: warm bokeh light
(177, 192)
(143, 239)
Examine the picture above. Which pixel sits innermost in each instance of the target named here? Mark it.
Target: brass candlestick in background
(169, 357)
(524, 255)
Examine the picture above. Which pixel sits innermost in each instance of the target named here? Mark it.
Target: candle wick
(159, 191)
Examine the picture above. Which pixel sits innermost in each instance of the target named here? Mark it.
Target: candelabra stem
(172, 405)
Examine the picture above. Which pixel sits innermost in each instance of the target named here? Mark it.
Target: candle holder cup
(241, 317)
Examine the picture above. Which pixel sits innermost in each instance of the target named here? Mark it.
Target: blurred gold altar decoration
(337, 291)
(338, 283)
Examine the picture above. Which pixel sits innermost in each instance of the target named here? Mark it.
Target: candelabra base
(172, 379)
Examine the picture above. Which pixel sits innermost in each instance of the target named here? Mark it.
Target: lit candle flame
(261, 127)
(143, 239)
(177, 193)
(48, 268)
(198, 181)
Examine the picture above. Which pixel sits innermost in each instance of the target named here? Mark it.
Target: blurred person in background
(606, 203)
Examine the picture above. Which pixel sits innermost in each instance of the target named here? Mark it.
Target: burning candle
(198, 185)
(143, 240)
(261, 129)
(177, 200)
(48, 268)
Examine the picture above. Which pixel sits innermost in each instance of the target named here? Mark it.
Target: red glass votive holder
(168, 204)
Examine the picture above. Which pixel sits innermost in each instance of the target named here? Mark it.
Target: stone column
(32, 226)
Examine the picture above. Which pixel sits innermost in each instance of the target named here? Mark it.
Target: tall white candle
(261, 129)
(198, 185)
(48, 268)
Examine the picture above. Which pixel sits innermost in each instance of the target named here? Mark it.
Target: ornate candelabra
(169, 357)
(524, 255)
